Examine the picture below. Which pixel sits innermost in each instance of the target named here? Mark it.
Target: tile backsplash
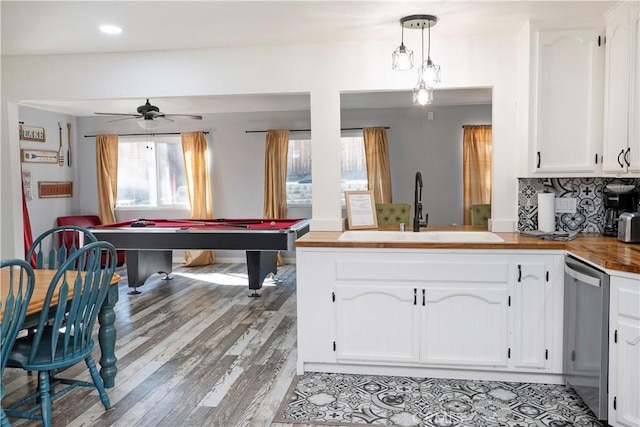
(589, 217)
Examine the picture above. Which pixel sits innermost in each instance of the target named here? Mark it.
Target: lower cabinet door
(376, 323)
(464, 325)
(627, 392)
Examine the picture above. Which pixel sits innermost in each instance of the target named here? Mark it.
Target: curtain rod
(488, 124)
(145, 134)
(304, 130)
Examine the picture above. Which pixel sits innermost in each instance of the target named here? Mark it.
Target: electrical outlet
(566, 205)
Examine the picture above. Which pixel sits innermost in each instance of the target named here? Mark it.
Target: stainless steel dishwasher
(586, 333)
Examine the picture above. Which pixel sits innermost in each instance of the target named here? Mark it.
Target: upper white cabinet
(566, 102)
(621, 147)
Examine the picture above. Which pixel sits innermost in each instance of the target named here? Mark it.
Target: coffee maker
(616, 203)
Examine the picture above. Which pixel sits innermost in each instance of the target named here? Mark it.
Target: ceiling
(71, 27)
(54, 27)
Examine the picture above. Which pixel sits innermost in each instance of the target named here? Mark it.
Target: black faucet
(417, 205)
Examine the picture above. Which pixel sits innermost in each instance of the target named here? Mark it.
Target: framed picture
(26, 185)
(39, 156)
(361, 210)
(32, 133)
(48, 189)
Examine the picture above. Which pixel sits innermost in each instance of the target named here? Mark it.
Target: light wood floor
(192, 351)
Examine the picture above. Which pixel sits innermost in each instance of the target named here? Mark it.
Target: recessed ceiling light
(110, 29)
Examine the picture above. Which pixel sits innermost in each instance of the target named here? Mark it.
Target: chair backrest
(16, 288)
(53, 247)
(84, 278)
(480, 214)
(393, 213)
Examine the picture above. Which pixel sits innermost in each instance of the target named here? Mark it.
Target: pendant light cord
(429, 44)
(422, 57)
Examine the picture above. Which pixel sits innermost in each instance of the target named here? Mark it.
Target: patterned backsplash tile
(589, 217)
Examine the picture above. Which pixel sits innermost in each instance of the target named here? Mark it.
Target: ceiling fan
(149, 112)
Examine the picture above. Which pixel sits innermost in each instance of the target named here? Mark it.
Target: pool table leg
(259, 265)
(142, 264)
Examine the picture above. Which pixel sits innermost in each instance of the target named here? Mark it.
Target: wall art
(32, 133)
(48, 189)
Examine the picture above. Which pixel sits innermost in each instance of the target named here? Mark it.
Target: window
(151, 173)
(354, 168)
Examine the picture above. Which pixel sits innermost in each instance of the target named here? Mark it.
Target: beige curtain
(376, 149)
(107, 171)
(476, 165)
(194, 150)
(275, 176)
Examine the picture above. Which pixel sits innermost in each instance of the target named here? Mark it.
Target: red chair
(87, 221)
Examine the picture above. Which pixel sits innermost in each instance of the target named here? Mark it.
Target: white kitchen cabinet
(532, 311)
(621, 143)
(624, 352)
(454, 324)
(566, 104)
(377, 323)
(443, 310)
(464, 324)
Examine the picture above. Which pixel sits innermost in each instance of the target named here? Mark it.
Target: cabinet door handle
(519, 273)
(619, 162)
(538, 166)
(415, 296)
(423, 298)
(626, 156)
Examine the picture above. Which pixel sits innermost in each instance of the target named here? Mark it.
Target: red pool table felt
(217, 223)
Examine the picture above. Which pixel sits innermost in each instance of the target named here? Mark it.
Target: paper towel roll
(546, 212)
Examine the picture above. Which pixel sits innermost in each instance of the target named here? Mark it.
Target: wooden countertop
(606, 252)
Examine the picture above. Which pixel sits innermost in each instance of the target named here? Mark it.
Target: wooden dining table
(106, 317)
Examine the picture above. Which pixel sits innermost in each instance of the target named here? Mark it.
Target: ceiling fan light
(402, 58)
(147, 124)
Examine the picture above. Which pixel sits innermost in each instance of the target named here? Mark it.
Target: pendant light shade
(402, 57)
(422, 93)
(428, 72)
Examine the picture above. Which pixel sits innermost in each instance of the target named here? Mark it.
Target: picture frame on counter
(32, 133)
(361, 210)
(50, 189)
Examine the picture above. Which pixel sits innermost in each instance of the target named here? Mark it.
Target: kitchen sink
(422, 236)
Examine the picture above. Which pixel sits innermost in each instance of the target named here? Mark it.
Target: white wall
(44, 211)
(321, 70)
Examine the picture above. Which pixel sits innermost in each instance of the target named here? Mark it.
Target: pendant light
(428, 72)
(402, 57)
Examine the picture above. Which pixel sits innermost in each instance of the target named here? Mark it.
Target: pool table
(148, 243)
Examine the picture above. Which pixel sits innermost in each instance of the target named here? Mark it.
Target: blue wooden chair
(15, 293)
(53, 247)
(64, 335)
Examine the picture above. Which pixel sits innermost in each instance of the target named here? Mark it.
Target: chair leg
(45, 398)
(97, 380)
(4, 421)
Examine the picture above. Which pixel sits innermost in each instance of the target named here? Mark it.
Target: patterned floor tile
(340, 399)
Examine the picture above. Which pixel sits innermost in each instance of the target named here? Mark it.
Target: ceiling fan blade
(191, 116)
(164, 117)
(119, 114)
(124, 118)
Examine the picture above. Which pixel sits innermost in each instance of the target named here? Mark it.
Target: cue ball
(273, 223)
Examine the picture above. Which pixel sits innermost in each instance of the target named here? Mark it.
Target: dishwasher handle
(584, 278)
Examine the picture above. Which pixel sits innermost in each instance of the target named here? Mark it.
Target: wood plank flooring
(192, 351)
